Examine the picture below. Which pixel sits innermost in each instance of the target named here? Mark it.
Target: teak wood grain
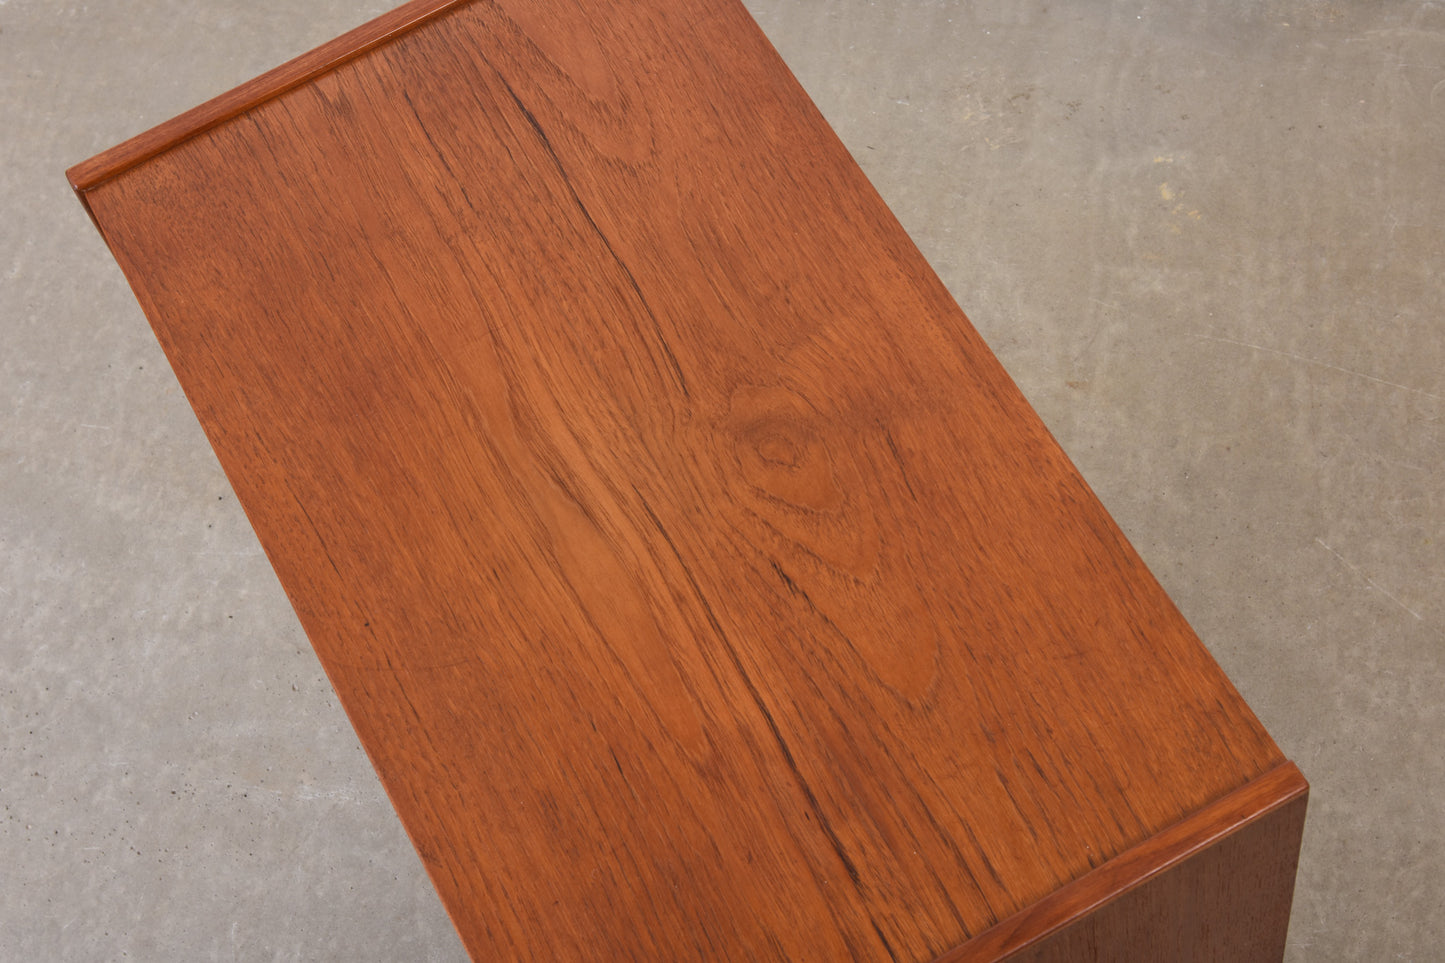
(698, 582)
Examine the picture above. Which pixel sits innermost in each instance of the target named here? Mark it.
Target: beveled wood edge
(1134, 867)
(1113, 879)
(137, 150)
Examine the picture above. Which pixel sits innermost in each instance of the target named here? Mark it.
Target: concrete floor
(1206, 238)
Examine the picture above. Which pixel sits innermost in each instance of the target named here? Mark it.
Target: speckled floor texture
(1206, 238)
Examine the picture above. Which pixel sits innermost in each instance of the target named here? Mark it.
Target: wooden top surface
(697, 581)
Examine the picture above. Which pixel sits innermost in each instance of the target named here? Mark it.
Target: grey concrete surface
(1206, 238)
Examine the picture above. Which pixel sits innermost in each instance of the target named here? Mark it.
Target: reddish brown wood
(697, 581)
(91, 173)
(1229, 902)
(1216, 886)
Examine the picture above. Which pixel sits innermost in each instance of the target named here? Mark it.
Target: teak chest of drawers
(698, 582)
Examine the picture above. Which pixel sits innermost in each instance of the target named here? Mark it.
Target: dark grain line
(902, 470)
(397, 314)
(733, 656)
(661, 339)
(888, 947)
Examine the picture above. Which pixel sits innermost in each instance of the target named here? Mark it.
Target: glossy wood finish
(697, 581)
(1225, 903)
(121, 158)
(1216, 886)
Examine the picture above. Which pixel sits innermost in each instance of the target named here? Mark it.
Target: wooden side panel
(1215, 887)
(696, 579)
(1227, 904)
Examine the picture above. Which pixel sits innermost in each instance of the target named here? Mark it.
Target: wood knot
(813, 494)
(781, 448)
